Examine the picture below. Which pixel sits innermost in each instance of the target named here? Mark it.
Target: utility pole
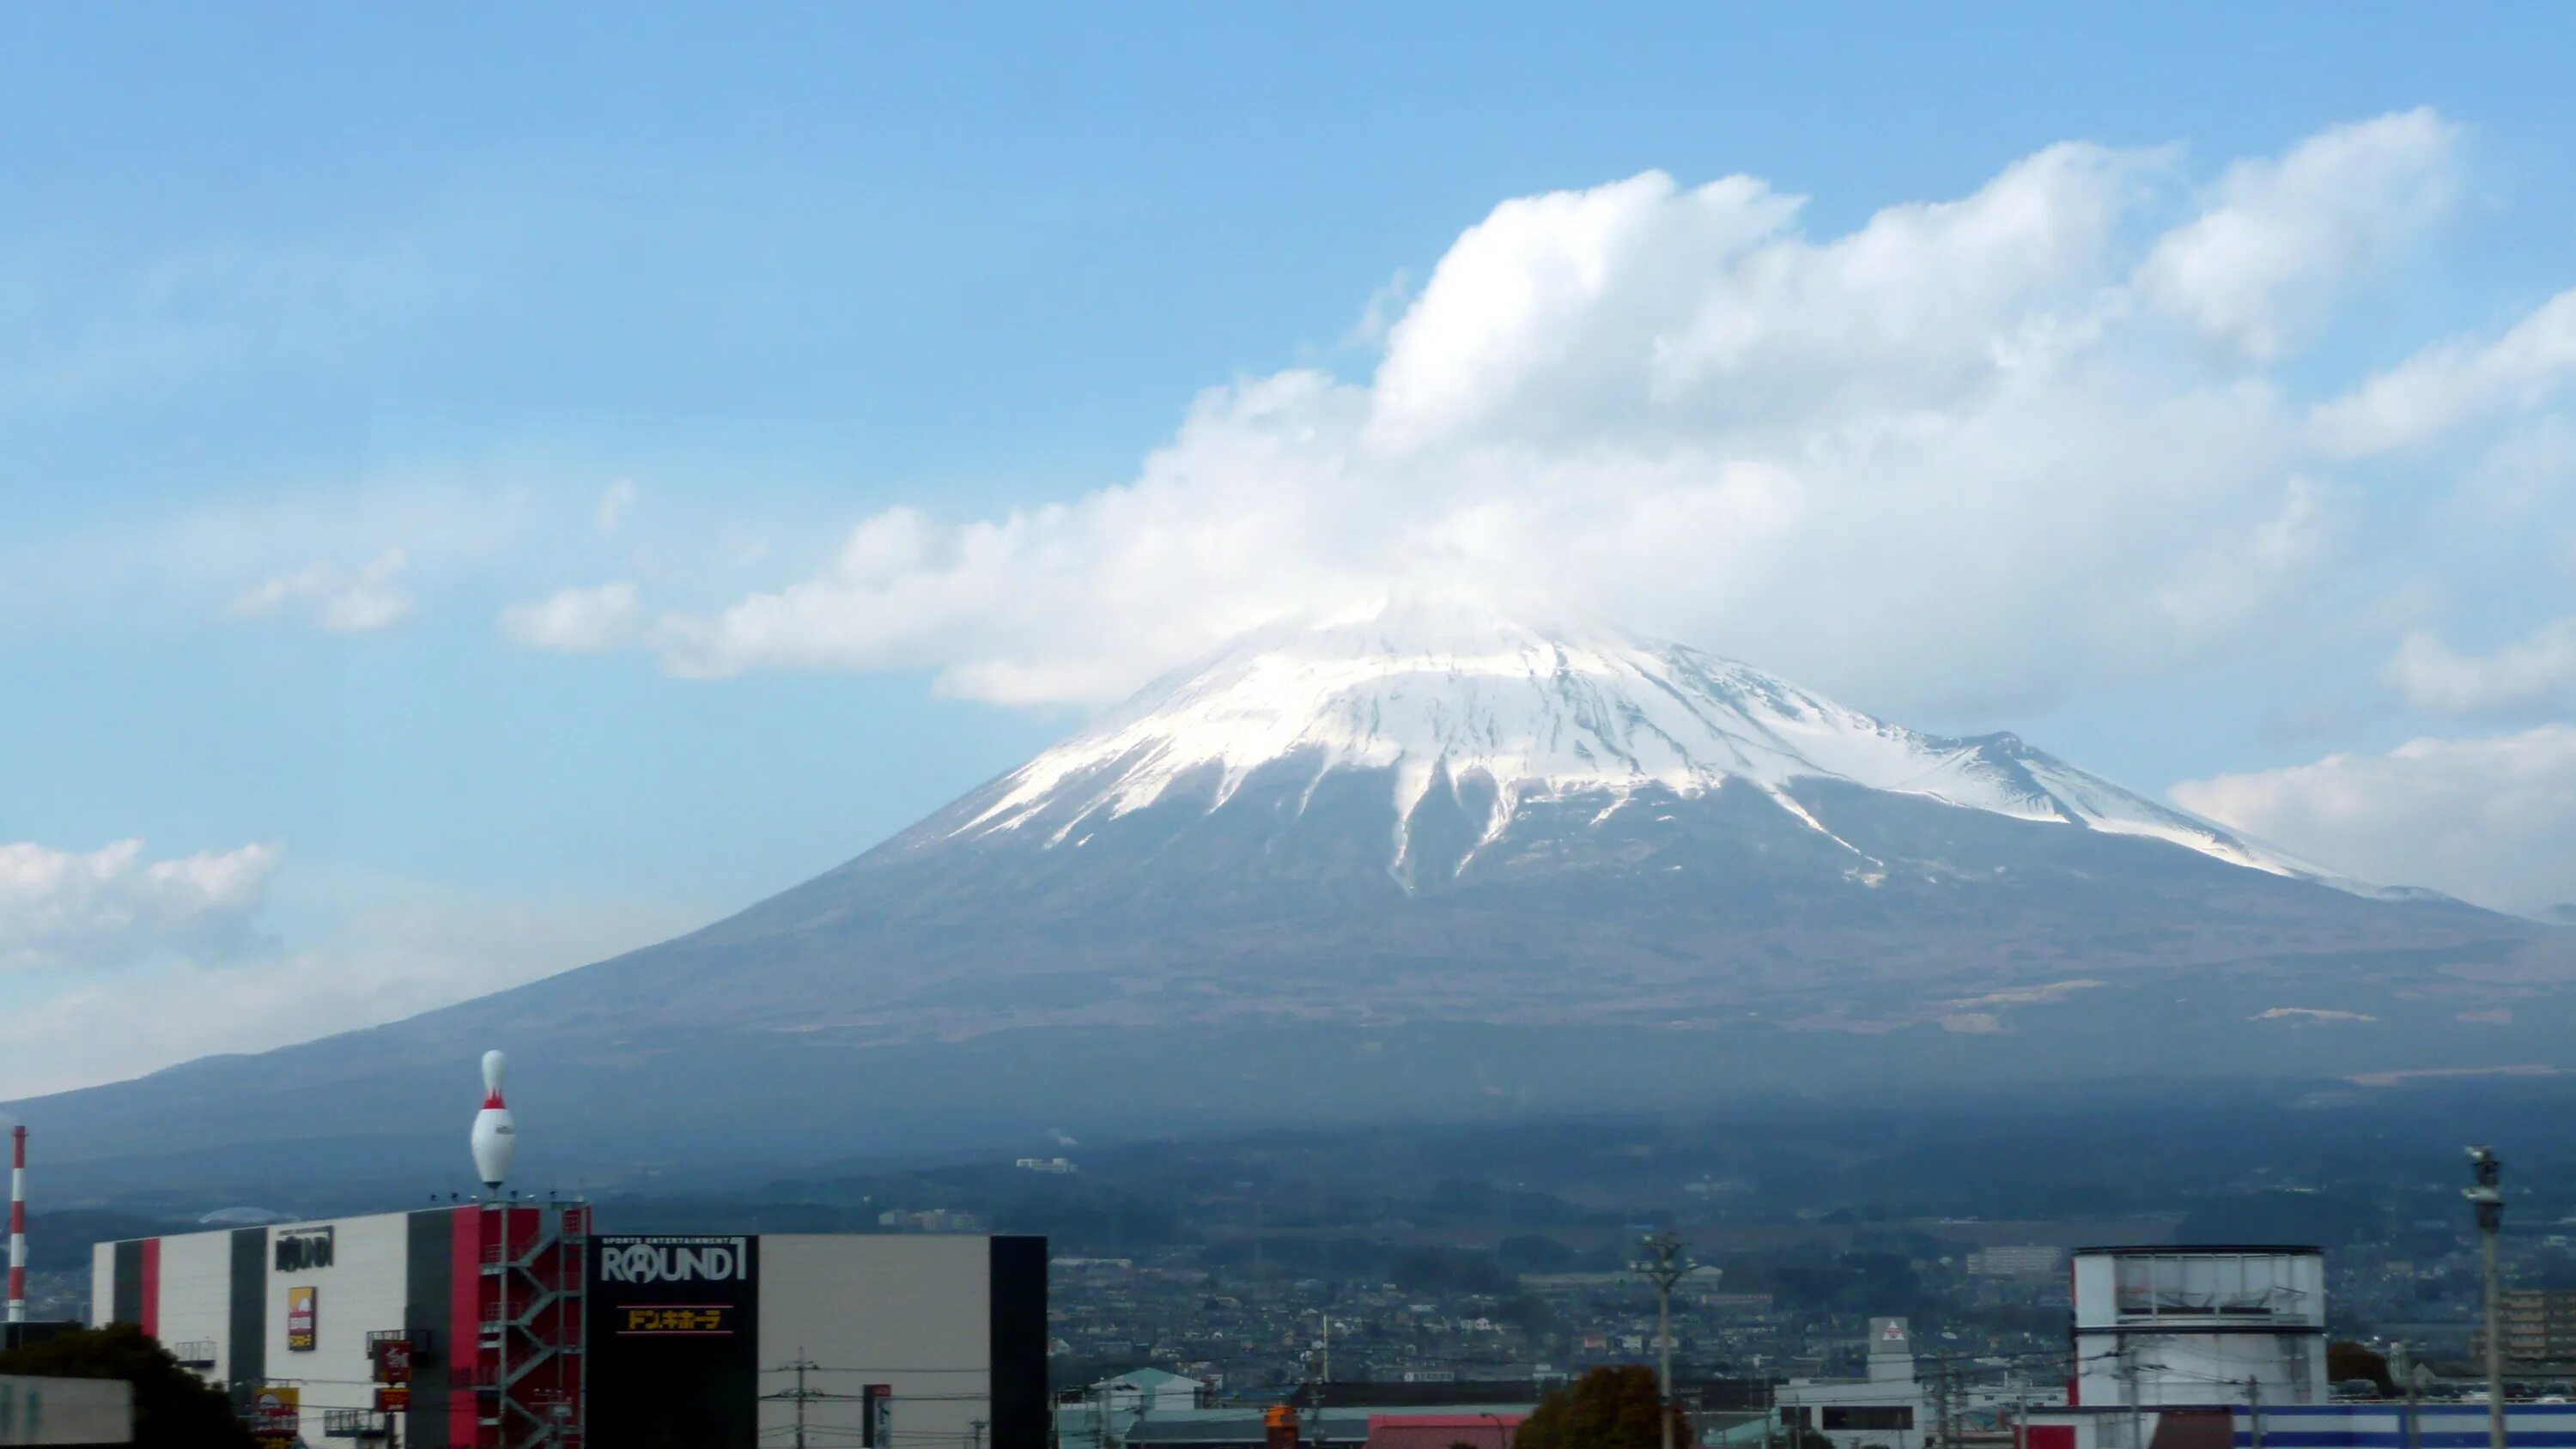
(2488, 1197)
(978, 1426)
(1953, 1400)
(2129, 1391)
(1948, 1407)
(800, 1395)
(2254, 1407)
(1665, 1265)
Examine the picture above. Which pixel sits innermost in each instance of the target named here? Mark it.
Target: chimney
(18, 1225)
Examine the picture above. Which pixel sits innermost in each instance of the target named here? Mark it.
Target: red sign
(394, 1400)
(393, 1360)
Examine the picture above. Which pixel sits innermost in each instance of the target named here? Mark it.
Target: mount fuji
(1498, 715)
(1427, 860)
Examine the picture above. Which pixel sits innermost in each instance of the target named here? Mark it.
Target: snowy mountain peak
(1435, 695)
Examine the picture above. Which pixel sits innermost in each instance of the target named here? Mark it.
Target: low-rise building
(2165, 1325)
(66, 1413)
(2539, 1325)
(2029, 1261)
(1885, 1406)
(2309, 1426)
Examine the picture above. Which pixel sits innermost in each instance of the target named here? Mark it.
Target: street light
(2488, 1198)
(1664, 1264)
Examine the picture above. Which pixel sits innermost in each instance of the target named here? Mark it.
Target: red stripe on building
(152, 1287)
(465, 1323)
(2074, 1346)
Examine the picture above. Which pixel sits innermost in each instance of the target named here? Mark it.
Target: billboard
(674, 1342)
(302, 1319)
(304, 1249)
(277, 1416)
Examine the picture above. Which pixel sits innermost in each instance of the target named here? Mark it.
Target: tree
(173, 1408)
(1608, 1408)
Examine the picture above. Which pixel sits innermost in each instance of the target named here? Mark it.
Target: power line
(799, 1395)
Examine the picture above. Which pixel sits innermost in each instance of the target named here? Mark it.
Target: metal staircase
(532, 1324)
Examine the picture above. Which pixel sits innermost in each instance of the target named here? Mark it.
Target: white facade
(65, 1411)
(360, 1289)
(1150, 1391)
(908, 1312)
(1887, 1407)
(2168, 1326)
(361, 1292)
(196, 1299)
(1894, 1407)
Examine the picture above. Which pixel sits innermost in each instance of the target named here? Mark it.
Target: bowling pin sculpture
(496, 1138)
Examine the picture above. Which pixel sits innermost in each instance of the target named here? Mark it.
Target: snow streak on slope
(1439, 695)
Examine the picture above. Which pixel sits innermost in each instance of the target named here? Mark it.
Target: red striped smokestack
(18, 1225)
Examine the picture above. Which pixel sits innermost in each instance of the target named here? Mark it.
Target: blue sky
(334, 347)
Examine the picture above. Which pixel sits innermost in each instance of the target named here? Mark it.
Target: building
(2539, 1325)
(66, 1413)
(1894, 1405)
(1886, 1406)
(479, 1327)
(1152, 1408)
(1150, 1391)
(464, 1322)
(2195, 1326)
(2311, 1426)
(2037, 1261)
(935, 1220)
(1242, 1428)
(1443, 1431)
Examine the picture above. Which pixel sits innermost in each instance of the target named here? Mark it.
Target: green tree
(1608, 1408)
(173, 1408)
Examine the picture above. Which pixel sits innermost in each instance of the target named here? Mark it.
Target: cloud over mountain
(2488, 820)
(95, 910)
(1969, 454)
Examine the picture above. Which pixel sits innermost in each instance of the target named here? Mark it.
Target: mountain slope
(1424, 862)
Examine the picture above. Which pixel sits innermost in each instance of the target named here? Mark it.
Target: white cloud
(1944, 461)
(1385, 307)
(2491, 821)
(2538, 669)
(2261, 269)
(96, 911)
(577, 621)
(2455, 382)
(400, 950)
(359, 601)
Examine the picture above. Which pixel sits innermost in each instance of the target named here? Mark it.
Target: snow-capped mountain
(1428, 861)
(1443, 697)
